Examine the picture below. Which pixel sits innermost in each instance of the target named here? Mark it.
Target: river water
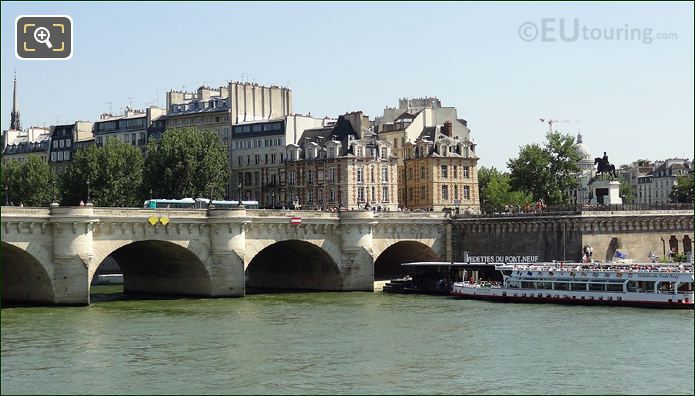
(344, 343)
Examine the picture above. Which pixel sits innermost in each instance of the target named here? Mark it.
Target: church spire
(14, 117)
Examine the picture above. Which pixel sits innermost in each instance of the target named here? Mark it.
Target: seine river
(344, 343)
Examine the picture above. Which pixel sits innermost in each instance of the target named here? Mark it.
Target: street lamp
(150, 194)
(7, 200)
(239, 203)
(272, 194)
(87, 191)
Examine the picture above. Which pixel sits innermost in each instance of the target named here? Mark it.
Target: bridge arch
(293, 265)
(24, 278)
(388, 263)
(159, 267)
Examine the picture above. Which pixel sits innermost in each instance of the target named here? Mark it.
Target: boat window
(647, 286)
(597, 287)
(527, 285)
(577, 286)
(685, 286)
(632, 286)
(666, 287)
(614, 287)
(543, 285)
(561, 286)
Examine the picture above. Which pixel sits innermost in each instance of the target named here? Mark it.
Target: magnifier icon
(43, 36)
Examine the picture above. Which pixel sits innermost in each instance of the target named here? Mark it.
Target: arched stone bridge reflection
(50, 255)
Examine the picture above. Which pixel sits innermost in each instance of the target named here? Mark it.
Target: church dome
(582, 149)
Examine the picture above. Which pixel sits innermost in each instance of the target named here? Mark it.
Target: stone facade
(665, 177)
(344, 166)
(64, 140)
(131, 127)
(440, 171)
(562, 236)
(206, 108)
(22, 144)
(258, 155)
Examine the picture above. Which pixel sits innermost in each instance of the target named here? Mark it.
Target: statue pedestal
(606, 192)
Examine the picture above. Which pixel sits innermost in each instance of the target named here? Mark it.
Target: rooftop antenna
(110, 107)
(130, 101)
(57, 120)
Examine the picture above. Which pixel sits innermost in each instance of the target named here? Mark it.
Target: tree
(684, 189)
(187, 162)
(30, 182)
(496, 193)
(114, 172)
(547, 172)
(627, 192)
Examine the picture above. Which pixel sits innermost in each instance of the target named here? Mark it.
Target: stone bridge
(50, 255)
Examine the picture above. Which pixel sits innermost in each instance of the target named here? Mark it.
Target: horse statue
(603, 166)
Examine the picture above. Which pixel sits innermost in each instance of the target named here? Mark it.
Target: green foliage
(114, 172)
(627, 192)
(675, 258)
(546, 172)
(496, 192)
(186, 162)
(30, 182)
(684, 189)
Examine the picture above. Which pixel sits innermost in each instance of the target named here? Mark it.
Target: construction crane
(551, 121)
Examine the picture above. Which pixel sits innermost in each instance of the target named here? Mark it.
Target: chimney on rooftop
(447, 129)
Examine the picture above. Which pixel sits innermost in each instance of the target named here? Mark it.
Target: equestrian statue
(605, 167)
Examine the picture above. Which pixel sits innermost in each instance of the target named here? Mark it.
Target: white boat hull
(655, 300)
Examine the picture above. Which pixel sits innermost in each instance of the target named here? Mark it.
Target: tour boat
(639, 285)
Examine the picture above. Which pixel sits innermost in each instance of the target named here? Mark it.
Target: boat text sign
(502, 259)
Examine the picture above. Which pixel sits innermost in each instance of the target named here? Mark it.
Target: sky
(502, 65)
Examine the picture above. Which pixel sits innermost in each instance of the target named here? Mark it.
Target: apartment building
(440, 171)
(343, 166)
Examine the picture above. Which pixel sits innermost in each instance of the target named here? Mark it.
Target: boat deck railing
(600, 268)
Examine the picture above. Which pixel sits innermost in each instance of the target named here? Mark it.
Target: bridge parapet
(291, 213)
(15, 211)
(410, 215)
(140, 213)
(640, 213)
